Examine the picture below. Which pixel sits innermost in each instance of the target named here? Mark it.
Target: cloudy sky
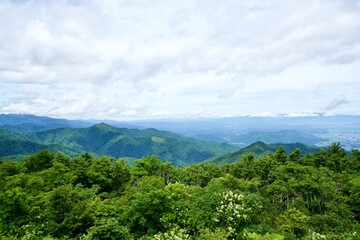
(136, 59)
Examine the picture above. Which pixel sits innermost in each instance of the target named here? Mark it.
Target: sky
(132, 59)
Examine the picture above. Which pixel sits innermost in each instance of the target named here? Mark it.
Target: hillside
(12, 148)
(19, 119)
(282, 136)
(103, 139)
(259, 148)
(25, 123)
(32, 127)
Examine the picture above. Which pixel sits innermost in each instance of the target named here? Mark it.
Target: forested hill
(274, 196)
(32, 123)
(259, 148)
(103, 139)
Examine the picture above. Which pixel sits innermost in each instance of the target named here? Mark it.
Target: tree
(147, 166)
(295, 155)
(9, 168)
(66, 211)
(108, 173)
(108, 228)
(38, 161)
(294, 222)
(146, 204)
(79, 166)
(200, 174)
(280, 155)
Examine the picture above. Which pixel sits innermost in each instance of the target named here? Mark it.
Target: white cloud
(120, 59)
(129, 113)
(161, 114)
(335, 103)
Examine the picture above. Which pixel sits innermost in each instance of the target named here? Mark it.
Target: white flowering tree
(173, 234)
(232, 212)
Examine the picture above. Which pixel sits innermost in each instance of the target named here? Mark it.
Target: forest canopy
(273, 196)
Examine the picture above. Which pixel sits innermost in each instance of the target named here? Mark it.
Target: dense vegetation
(258, 148)
(273, 196)
(103, 139)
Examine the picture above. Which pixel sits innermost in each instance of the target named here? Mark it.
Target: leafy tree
(294, 222)
(56, 176)
(147, 166)
(38, 161)
(178, 200)
(267, 236)
(146, 206)
(173, 234)
(66, 210)
(295, 155)
(9, 168)
(280, 155)
(200, 174)
(217, 234)
(79, 166)
(109, 229)
(108, 173)
(355, 196)
(232, 212)
(245, 168)
(14, 211)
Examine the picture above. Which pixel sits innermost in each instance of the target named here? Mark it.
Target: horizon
(126, 61)
(99, 120)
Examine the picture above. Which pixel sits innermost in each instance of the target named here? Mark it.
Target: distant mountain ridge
(104, 139)
(25, 123)
(242, 131)
(259, 148)
(17, 119)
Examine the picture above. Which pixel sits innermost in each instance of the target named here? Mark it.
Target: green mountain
(283, 136)
(10, 135)
(25, 123)
(259, 148)
(31, 120)
(14, 148)
(32, 127)
(103, 139)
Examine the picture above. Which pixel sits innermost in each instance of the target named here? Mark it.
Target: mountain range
(242, 131)
(311, 130)
(104, 139)
(259, 148)
(181, 141)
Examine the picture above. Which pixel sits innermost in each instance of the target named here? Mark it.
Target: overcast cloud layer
(155, 59)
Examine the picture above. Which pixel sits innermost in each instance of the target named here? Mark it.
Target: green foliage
(294, 222)
(173, 234)
(38, 161)
(66, 211)
(147, 204)
(200, 174)
(107, 173)
(108, 228)
(280, 195)
(232, 212)
(9, 168)
(273, 236)
(217, 234)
